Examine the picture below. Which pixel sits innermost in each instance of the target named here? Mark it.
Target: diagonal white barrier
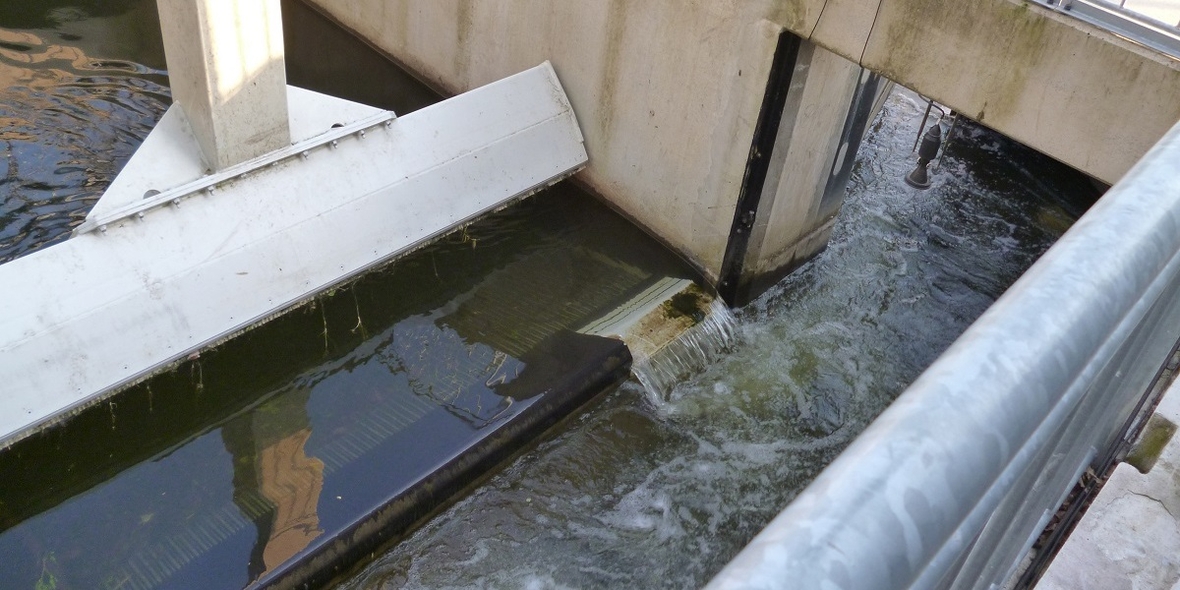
(172, 260)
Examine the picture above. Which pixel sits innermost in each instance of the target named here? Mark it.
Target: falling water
(695, 349)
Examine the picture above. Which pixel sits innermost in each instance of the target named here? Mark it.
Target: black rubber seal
(778, 83)
(590, 366)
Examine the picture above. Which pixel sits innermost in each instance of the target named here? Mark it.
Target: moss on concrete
(691, 303)
(1151, 443)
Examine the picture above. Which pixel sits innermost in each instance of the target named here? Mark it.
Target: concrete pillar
(225, 65)
(814, 114)
(680, 104)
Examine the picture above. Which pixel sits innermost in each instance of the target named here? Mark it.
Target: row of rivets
(305, 154)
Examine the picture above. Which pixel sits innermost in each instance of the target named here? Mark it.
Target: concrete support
(671, 97)
(225, 65)
(671, 104)
(1085, 96)
(816, 109)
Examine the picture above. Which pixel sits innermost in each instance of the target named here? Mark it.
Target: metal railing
(952, 484)
(1157, 35)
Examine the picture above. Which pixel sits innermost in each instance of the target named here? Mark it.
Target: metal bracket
(208, 184)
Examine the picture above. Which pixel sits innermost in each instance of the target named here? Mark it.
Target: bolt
(361, 134)
(335, 144)
(304, 154)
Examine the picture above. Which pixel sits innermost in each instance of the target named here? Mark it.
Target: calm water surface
(210, 475)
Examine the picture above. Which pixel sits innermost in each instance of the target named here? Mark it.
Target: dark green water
(211, 474)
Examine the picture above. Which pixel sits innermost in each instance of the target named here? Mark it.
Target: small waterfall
(687, 354)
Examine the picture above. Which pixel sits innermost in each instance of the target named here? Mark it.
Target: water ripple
(96, 112)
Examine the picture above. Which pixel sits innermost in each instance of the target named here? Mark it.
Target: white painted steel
(87, 316)
(209, 183)
(170, 157)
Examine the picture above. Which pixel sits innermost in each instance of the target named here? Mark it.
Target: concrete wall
(1083, 96)
(668, 92)
(672, 95)
(799, 205)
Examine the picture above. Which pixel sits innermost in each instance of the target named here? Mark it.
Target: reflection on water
(217, 473)
(76, 68)
(271, 465)
(650, 493)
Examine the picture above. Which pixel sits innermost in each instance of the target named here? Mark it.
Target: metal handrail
(1142, 29)
(952, 484)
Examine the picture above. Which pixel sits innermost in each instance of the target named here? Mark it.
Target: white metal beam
(147, 281)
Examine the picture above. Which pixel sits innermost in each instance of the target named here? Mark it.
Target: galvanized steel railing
(952, 484)
(1147, 31)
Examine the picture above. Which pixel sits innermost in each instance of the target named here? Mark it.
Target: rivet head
(102, 228)
(304, 154)
(389, 124)
(139, 215)
(210, 189)
(335, 144)
(361, 134)
(176, 202)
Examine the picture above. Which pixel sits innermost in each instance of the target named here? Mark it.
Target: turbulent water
(644, 491)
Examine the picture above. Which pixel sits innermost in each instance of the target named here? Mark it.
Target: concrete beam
(843, 27)
(1086, 97)
(1089, 98)
(225, 66)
